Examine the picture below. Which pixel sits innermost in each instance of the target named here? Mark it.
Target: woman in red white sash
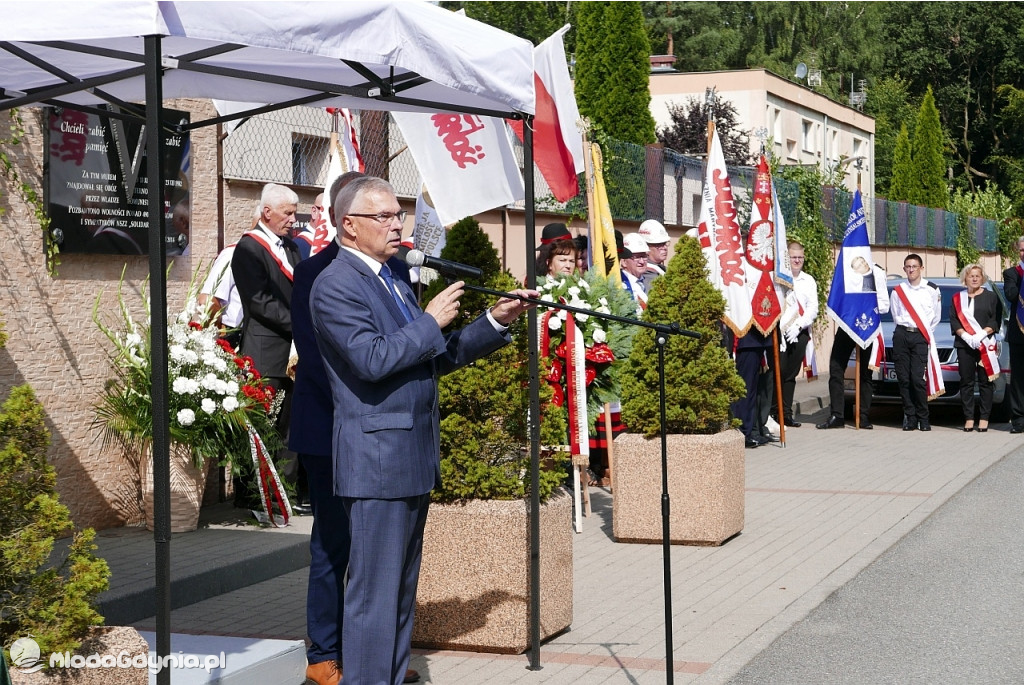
(974, 317)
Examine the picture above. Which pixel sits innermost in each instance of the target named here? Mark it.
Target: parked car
(886, 390)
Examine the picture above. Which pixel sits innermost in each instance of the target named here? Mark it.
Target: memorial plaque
(96, 186)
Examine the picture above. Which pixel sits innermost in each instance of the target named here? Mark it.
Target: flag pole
(856, 385)
(778, 388)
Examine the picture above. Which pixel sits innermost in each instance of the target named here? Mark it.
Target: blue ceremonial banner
(852, 302)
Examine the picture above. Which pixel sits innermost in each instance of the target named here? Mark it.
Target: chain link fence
(291, 147)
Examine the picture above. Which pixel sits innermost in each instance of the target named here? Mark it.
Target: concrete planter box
(105, 641)
(705, 487)
(474, 581)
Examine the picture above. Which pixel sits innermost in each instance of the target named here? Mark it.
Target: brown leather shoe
(323, 673)
(411, 676)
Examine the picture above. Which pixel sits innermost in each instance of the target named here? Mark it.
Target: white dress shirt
(926, 302)
(804, 293)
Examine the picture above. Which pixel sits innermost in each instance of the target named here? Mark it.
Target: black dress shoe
(302, 509)
(832, 422)
(768, 438)
(1014, 428)
(924, 426)
(791, 423)
(866, 426)
(750, 444)
(909, 424)
(411, 676)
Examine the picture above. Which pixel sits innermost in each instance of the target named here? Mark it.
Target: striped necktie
(389, 281)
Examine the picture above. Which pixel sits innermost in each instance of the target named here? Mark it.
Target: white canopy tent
(369, 55)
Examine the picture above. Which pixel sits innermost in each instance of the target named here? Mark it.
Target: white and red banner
(466, 162)
(719, 235)
(557, 142)
(760, 253)
(344, 157)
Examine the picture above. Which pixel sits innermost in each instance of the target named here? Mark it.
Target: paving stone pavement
(819, 510)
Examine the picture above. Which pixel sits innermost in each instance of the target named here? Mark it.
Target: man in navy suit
(263, 266)
(382, 355)
(310, 437)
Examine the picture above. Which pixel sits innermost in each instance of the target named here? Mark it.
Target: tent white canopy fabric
(410, 56)
(363, 55)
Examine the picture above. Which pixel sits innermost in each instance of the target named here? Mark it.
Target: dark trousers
(791, 362)
(842, 347)
(910, 359)
(329, 544)
(1016, 388)
(748, 366)
(380, 601)
(968, 359)
(767, 401)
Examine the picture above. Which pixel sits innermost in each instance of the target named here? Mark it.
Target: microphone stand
(663, 331)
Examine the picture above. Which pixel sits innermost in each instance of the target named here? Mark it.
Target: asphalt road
(943, 605)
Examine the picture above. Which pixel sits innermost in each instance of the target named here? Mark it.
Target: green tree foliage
(965, 51)
(987, 203)
(688, 132)
(703, 36)
(485, 436)
(1010, 161)
(534, 21)
(888, 101)
(701, 379)
(466, 243)
(928, 184)
(52, 602)
(902, 178)
(612, 70)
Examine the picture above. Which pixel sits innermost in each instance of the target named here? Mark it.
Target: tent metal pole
(158, 341)
(531, 282)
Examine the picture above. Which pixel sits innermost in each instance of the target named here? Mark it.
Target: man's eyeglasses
(385, 218)
(911, 268)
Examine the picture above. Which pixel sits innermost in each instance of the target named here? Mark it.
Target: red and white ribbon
(989, 356)
(269, 484)
(285, 265)
(933, 373)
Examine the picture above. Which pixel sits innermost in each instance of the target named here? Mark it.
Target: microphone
(417, 258)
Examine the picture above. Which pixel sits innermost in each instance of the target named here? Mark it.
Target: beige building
(802, 126)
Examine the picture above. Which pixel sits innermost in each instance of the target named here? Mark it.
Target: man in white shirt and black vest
(916, 309)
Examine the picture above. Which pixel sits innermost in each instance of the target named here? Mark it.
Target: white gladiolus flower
(584, 284)
(209, 406)
(133, 340)
(554, 323)
(582, 317)
(599, 335)
(186, 417)
(574, 291)
(229, 403)
(547, 297)
(603, 309)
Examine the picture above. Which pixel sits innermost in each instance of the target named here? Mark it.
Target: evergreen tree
(466, 243)
(701, 378)
(689, 130)
(613, 70)
(929, 187)
(888, 101)
(902, 168)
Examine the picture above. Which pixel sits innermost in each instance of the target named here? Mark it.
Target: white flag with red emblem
(466, 162)
(719, 235)
(760, 253)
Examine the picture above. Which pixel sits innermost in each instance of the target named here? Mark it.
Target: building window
(309, 159)
(807, 135)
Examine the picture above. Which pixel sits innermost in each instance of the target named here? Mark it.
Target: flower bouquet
(216, 399)
(605, 343)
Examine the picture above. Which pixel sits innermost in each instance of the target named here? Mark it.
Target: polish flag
(557, 142)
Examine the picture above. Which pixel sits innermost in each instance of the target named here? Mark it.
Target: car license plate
(890, 373)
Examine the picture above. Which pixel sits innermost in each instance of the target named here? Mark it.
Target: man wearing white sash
(916, 310)
(974, 318)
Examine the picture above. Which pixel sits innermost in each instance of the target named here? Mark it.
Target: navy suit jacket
(1011, 288)
(312, 405)
(383, 374)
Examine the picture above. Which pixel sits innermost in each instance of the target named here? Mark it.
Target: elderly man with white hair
(634, 266)
(656, 237)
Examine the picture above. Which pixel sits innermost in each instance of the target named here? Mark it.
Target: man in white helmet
(656, 237)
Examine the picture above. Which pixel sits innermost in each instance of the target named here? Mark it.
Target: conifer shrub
(700, 378)
(51, 600)
(484, 406)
